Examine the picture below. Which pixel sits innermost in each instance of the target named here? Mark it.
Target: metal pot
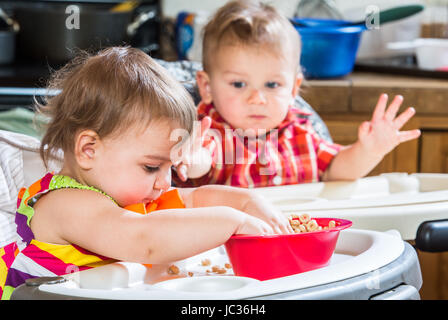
(54, 32)
(7, 39)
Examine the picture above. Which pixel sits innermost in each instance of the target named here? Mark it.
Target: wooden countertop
(359, 92)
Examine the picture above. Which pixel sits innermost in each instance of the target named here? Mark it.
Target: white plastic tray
(389, 201)
(357, 252)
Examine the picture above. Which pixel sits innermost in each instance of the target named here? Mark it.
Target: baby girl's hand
(197, 162)
(382, 134)
(252, 225)
(260, 208)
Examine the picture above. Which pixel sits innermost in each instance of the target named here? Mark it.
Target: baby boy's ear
(203, 81)
(86, 144)
(297, 84)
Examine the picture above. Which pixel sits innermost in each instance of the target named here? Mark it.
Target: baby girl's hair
(249, 23)
(108, 92)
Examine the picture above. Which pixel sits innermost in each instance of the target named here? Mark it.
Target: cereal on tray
(218, 269)
(206, 262)
(173, 269)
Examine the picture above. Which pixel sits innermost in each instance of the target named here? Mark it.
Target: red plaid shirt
(292, 154)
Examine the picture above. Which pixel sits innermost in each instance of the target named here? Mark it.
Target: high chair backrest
(20, 165)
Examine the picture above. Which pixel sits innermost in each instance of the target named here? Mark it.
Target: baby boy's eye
(272, 84)
(238, 84)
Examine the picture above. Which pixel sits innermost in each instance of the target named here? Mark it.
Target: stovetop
(403, 65)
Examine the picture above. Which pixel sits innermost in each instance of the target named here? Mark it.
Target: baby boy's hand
(197, 162)
(382, 133)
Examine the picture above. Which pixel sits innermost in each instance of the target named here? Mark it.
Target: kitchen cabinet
(345, 103)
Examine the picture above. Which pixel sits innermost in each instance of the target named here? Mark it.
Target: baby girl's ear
(86, 145)
(297, 84)
(203, 81)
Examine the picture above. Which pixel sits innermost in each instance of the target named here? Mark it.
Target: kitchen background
(29, 50)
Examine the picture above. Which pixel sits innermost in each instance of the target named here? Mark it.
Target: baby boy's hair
(108, 92)
(249, 23)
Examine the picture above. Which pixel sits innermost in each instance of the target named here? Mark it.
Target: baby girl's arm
(237, 198)
(376, 138)
(95, 223)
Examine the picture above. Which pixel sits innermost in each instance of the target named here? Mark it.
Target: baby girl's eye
(238, 84)
(272, 84)
(151, 169)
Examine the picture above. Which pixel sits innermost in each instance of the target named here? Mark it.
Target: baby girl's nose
(163, 182)
(256, 97)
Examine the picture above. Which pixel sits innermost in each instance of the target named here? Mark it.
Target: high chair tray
(389, 201)
(366, 264)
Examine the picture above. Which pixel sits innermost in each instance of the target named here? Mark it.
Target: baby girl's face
(136, 167)
(252, 88)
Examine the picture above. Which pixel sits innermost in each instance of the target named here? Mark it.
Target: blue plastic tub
(329, 47)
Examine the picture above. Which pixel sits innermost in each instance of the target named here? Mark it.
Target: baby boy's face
(252, 88)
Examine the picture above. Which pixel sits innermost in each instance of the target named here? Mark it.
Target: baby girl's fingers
(403, 118)
(277, 230)
(287, 229)
(268, 229)
(391, 112)
(408, 135)
(378, 113)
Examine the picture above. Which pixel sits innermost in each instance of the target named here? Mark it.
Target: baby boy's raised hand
(382, 133)
(197, 161)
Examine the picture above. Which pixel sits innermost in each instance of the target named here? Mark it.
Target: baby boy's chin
(256, 127)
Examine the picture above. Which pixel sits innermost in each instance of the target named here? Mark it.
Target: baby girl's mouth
(152, 198)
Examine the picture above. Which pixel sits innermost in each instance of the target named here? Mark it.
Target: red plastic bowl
(274, 256)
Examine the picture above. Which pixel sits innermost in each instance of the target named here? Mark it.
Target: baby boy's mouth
(257, 117)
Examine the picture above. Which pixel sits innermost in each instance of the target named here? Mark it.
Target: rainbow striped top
(30, 258)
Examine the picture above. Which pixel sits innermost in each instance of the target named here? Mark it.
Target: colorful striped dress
(32, 258)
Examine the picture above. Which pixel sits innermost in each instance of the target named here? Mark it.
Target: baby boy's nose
(256, 97)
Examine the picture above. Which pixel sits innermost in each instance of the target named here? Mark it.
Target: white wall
(373, 43)
(351, 9)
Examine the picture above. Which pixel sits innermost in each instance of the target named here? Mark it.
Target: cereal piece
(206, 262)
(294, 216)
(312, 225)
(173, 269)
(294, 223)
(304, 218)
(228, 266)
(215, 268)
(302, 228)
(331, 224)
(221, 271)
(218, 269)
(190, 274)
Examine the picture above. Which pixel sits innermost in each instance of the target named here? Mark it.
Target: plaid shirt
(292, 154)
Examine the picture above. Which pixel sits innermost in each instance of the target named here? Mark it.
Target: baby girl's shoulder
(54, 209)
